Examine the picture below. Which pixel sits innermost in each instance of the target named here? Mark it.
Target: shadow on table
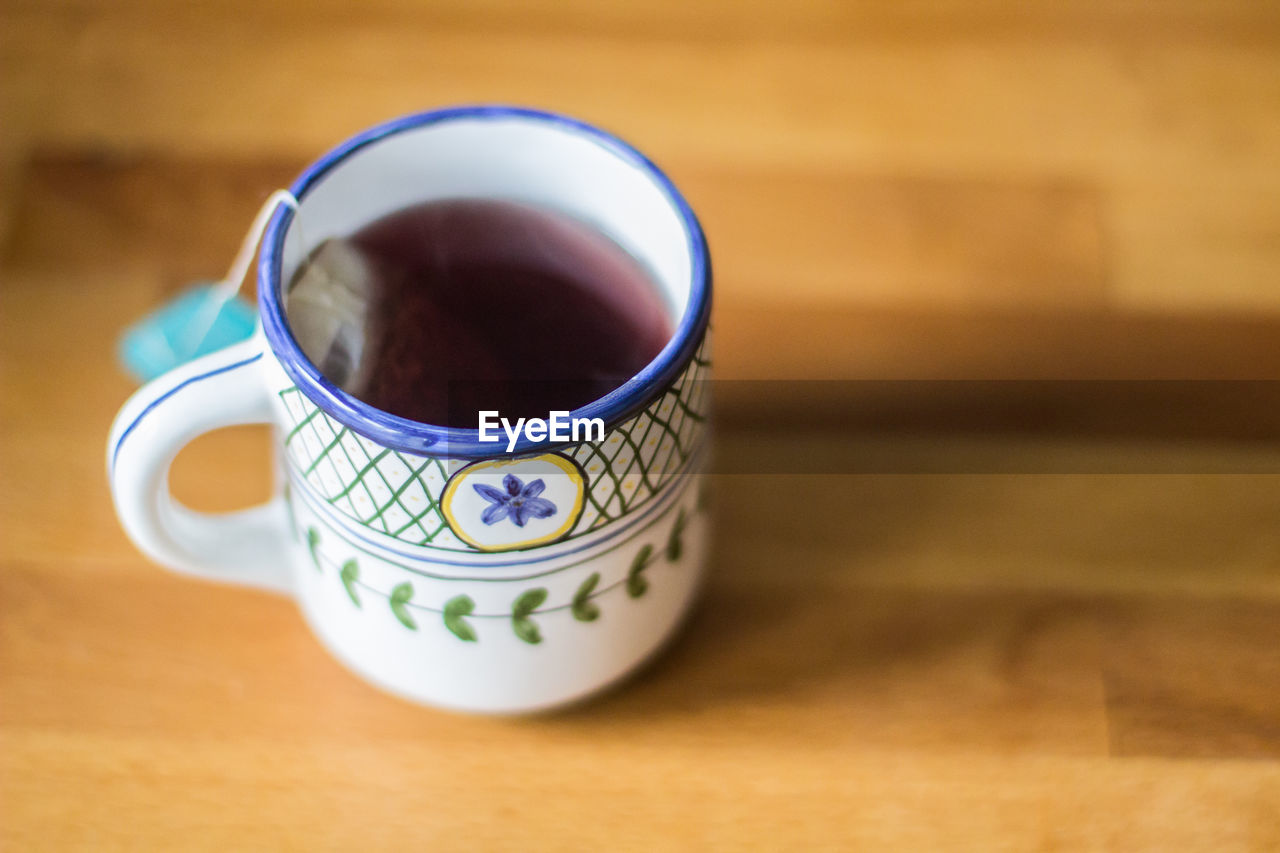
(1061, 611)
(822, 586)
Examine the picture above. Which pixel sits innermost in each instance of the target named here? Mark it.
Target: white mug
(376, 531)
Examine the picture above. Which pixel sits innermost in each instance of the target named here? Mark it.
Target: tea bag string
(229, 287)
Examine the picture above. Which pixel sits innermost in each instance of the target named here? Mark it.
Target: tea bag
(329, 310)
(204, 318)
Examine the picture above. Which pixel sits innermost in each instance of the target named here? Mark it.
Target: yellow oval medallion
(508, 504)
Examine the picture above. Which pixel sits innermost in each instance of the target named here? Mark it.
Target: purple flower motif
(518, 503)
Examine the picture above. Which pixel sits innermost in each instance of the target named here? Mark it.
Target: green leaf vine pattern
(399, 605)
(525, 603)
(525, 606)
(675, 545)
(583, 609)
(350, 575)
(454, 609)
(313, 540)
(636, 583)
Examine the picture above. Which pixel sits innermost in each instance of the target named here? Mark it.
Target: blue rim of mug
(427, 439)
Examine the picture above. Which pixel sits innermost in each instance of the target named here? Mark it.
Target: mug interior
(527, 156)
(540, 163)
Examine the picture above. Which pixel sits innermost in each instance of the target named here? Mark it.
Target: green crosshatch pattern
(398, 493)
(389, 491)
(639, 457)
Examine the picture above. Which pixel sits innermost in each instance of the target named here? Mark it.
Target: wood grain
(928, 655)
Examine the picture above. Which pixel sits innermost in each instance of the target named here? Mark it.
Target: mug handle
(221, 389)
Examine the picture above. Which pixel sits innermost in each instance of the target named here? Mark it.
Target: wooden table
(937, 657)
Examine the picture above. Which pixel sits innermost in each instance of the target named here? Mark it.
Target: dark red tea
(491, 305)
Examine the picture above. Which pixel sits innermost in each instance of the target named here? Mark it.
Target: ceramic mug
(378, 530)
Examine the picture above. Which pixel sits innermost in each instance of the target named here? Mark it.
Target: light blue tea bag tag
(204, 318)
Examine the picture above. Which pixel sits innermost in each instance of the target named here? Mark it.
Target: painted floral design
(518, 503)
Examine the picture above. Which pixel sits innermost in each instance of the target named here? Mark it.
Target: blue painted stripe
(166, 395)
